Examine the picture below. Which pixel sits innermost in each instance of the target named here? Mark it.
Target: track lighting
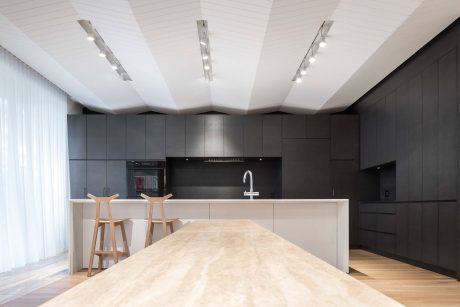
(323, 43)
(104, 50)
(318, 42)
(205, 48)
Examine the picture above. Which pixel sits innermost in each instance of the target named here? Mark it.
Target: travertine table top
(222, 263)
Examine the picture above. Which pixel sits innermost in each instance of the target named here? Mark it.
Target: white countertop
(87, 200)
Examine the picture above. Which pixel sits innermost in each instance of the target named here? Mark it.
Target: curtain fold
(33, 165)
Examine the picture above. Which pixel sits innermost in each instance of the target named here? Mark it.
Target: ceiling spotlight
(303, 71)
(311, 59)
(203, 43)
(114, 67)
(323, 43)
(102, 54)
(298, 79)
(207, 67)
(90, 37)
(205, 57)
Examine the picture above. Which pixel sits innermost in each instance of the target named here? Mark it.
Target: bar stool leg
(125, 240)
(147, 235)
(101, 247)
(151, 233)
(93, 248)
(171, 227)
(114, 243)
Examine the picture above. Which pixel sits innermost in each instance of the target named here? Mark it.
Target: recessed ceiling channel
(205, 48)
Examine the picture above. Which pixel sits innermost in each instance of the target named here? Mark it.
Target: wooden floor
(405, 283)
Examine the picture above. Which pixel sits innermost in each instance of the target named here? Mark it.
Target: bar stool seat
(151, 221)
(99, 223)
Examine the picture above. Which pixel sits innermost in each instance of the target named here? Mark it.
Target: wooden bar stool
(151, 221)
(99, 222)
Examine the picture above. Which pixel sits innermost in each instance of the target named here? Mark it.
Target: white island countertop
(320, 226)
(222, 263)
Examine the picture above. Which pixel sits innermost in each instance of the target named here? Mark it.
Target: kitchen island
(222, 263)
(319, 226)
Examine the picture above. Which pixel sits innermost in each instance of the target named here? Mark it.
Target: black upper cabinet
(306, 168)
(415, 138)
(77, 178)
(363, 138)
(96, 132)
(194, 136)
(430, 133)
(345, 137)
(77, 136)
(175, 136)
(447, 127)
(116, 178)
(372, 135)
(135, 137)
(389, 129)
(214, 136)
(272, 131)
(294, 127)
(380, 131)
(253, 131)
(318, 126)
(402, 141)
(233, 136)
(96, 177)
(155, 137)
(116, 137)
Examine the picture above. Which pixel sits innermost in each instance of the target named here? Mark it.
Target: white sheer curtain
(33, 165)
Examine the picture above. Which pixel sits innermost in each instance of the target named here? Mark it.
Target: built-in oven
(146, 177)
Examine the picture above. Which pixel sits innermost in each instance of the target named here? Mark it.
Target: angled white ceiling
(256, 47)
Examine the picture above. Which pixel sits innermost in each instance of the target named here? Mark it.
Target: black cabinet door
(96, 177)
(175, 136)
(372, 135)
(447, 127)
(96, 133)
(363, 139)
(77, 177)
(402, 229)
(272, 131)
(294, 127)
(380, 131)
(430, 233)
(415, 138)
(389, 130)
(345, 137)
(414, 235)
(116, 178)
(430, 133)
(306, 168)
(253, 132)
(194, 136)
(155, 137)
(318, 126)
(233, 136)
(135, 137)
(214, 136)
(77, 136)
(116, 137)
(447, 236)
(402, 140)
(344, 185)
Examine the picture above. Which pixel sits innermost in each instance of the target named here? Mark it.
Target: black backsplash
(196, 179)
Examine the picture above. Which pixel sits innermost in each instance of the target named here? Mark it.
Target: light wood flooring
(410, 285)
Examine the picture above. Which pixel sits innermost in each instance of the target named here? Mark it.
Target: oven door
(147, 181)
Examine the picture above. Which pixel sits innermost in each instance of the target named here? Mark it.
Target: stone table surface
(226, 263)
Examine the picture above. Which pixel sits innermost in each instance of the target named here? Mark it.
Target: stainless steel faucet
(251, 193)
